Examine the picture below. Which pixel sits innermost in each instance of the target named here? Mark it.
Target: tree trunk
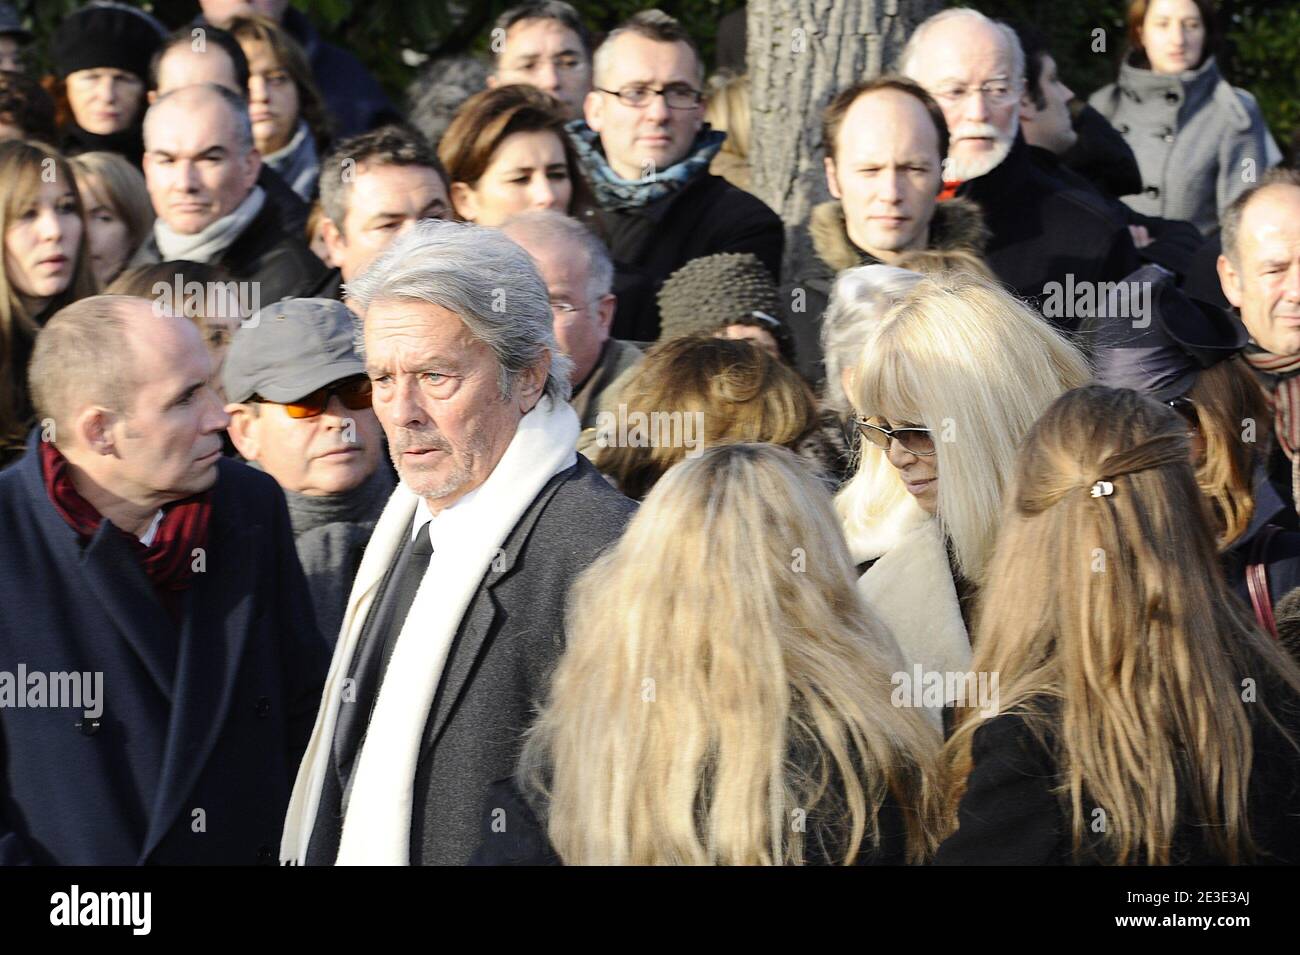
(799, 54)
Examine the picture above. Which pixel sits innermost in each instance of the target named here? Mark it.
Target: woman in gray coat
(1198, 140)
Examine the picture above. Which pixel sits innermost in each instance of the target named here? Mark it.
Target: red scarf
(168, 561)
(950, 187)
(1286, 406)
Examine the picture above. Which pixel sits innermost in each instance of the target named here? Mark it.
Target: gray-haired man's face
(195, 167)
(437, 394)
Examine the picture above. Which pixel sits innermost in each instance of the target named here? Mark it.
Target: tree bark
(799, 54)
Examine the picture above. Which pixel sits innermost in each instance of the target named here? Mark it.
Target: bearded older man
(456, 616)
(1041, 229)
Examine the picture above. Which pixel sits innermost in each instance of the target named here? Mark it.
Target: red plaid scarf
(168, 560)
(1286, 406)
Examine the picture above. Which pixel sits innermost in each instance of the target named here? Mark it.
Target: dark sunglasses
(918, 441)
(355, 394)
(1187, 409)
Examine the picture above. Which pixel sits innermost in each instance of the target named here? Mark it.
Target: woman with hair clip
(1143, 719)
(947, 386)
(1189, 356)
(46, 266)
(722, 701)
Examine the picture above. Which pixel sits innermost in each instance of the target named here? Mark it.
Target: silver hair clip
(1102, 489)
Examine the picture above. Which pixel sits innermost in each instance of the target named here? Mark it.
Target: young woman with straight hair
(1143, 718)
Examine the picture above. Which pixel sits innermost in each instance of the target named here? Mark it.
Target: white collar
(147, 537)
(448, 515)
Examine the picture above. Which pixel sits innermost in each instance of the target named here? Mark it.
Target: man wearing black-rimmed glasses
(300, 410)
(645, 150)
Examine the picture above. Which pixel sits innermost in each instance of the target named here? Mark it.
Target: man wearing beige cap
(300, 410)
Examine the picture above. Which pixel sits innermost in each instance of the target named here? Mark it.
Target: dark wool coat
(192, 759)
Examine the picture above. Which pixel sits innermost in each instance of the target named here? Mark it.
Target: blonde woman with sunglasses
(947, 386)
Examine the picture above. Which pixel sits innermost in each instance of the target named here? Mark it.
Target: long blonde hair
(1115, 637)
(723, 682)
(962, 357)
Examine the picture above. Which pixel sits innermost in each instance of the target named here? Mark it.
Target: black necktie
(378, 639)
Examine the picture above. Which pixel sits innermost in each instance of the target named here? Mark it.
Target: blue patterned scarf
(614, 193)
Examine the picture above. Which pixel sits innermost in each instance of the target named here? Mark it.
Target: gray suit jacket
(497, 670)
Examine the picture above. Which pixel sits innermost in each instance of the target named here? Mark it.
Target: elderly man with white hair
(457, 612)
(1042, 231)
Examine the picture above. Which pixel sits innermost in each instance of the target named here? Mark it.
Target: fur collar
(957, 224)
(911, 589)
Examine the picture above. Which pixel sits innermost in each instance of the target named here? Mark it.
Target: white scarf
(209, 242)
(377, 825)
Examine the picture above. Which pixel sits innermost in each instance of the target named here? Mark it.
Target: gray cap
(12, 25)
(292, 348)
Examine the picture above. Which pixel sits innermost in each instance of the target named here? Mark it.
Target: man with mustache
(1259, 270)
(1041, 230)
(456, 617)
(133, 550)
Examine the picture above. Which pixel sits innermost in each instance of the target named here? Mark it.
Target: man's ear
(243, 431)
(94, 428)
(151, 97)
(493, 81)
(464, 201)
(832, 181)
(335, 244)
(1230, 280)
(605, 310)
(593, 108)
(252, 168)
(1028, 110)
(531, 382)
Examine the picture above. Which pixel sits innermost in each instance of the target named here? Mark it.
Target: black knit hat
(106, 35)
(12, 25)
(729, 288)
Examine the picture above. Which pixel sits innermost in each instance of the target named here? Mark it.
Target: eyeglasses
(564, 63)
(918, 441)
(677, 97)
(355, 393)
(996, 92)
(1187, 409)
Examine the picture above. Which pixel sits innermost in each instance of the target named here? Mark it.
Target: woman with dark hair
(291, 128)
(26, 110)
(1141, 717)
(46, 266)
(101, 58)
(506, 152)
(1189, 356)
(1192, 133)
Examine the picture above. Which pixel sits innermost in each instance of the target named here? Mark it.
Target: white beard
(973, 167)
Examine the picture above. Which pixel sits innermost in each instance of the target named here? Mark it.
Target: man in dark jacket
(1050, 132)
(456, 617)
(885, 139)
(355, 99)
(154, 584)
(1042, 233)
(201, 170)
(646, 152)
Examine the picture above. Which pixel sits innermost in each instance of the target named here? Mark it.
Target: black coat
(201, 732)
(497, 669)
(709, 216)
(1042, 231)
(1281, 559)
(1009, 814)
(1174, 243)
(280, 261)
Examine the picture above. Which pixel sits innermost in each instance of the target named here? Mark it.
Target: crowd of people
(503, 493)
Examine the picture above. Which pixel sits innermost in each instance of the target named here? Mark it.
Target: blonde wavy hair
(1116, 637)
(966, 359)
(742, 392)
(1228, 397)
(715, 685)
